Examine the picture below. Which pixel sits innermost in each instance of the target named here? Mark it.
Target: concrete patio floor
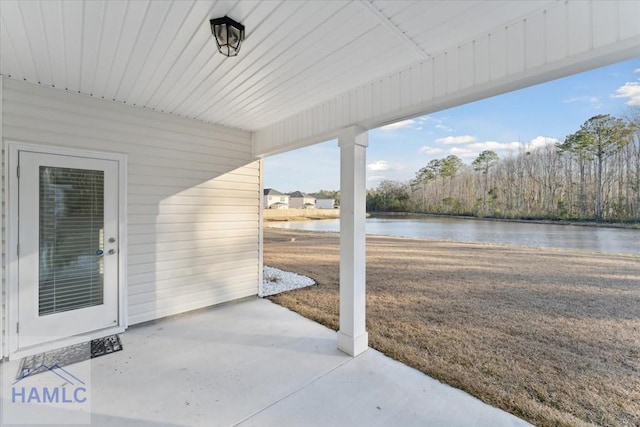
(254, 363)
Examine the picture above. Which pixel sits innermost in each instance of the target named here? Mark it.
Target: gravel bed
(276, 281)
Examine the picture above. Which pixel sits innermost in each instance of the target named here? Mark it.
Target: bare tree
(602, 136)
(483, 163)
(593, 174)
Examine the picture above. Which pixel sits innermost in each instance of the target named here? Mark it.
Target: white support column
(352, 337)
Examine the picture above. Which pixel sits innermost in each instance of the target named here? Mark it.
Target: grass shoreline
(551, 336)
(280, 215)
(303, 216)
(577, 223)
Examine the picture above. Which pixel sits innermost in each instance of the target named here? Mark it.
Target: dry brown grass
(550, 336)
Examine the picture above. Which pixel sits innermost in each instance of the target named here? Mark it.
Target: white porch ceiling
(160, 55)
(309, 68)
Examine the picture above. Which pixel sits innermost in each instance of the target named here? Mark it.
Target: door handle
(112, 251)
(112, 240)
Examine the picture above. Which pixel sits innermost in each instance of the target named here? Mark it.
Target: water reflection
(598, 239)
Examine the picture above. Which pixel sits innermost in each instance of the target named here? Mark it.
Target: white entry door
(68, 248)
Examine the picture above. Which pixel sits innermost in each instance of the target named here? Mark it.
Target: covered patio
(254, 363)
(175, 132)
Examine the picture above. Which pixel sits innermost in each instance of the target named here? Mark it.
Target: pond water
(596, 239)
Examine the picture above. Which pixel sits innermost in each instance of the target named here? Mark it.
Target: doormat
(106, 345)
(32, 365)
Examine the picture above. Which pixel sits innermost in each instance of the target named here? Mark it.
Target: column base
(353, 346)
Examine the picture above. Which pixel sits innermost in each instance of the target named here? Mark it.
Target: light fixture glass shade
(229, 35)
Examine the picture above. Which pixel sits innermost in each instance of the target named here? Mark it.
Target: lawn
(551, 336)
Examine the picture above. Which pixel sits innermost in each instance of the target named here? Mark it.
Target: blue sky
(538, 115)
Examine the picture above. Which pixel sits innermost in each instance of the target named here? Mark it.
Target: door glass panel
(71, 265)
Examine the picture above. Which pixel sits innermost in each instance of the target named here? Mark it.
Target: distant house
(325, 202)
(273, 199)
(300, 200)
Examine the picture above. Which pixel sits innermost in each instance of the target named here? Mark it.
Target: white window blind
(71, 263)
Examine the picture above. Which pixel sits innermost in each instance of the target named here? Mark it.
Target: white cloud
(594, 101)
(492, 145)
(541, 141)
(575, 99)
(630, 90)
(438, 124)
(383, 165)
(398, 125)
(472, 150)
(468, 147)
(430, 150)
(378, 165)
(464, 153)
(456, 140)
(377, 178)
(637, 71)
(425, 119)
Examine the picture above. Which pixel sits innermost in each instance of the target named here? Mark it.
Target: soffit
(160, 55)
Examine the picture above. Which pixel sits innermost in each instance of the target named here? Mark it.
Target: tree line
(594, 174)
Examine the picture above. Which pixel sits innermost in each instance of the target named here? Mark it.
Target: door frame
(12, 150)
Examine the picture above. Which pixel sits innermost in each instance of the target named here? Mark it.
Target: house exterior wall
(300, 202)
(270, 201)
(325, 203)
(193, 191)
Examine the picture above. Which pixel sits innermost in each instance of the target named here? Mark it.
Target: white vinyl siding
(325, 203)
(300, 202)
(193, 194)
(269, 201)
(3, 294)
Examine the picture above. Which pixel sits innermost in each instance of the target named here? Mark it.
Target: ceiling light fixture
(229, 34)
